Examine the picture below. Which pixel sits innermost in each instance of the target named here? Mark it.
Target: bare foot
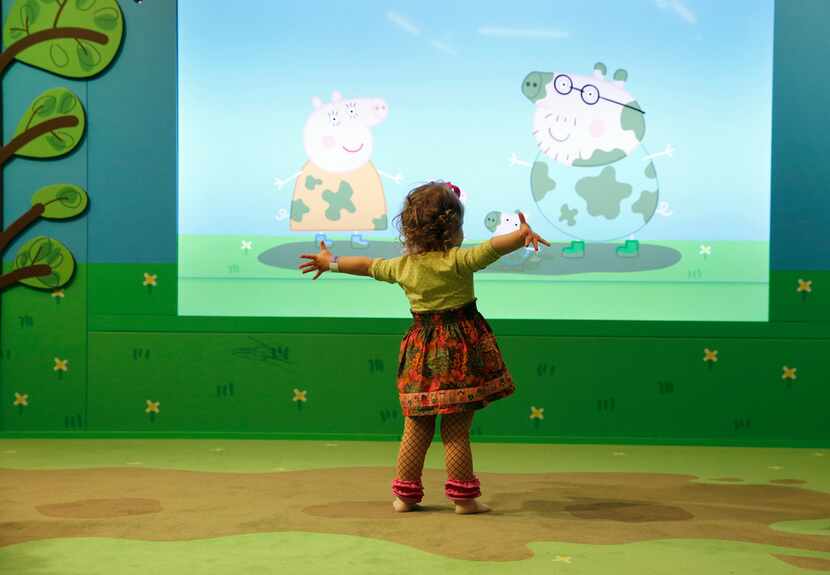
(402, 506)
(470, 506)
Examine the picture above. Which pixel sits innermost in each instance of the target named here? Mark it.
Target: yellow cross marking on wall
(805, 286)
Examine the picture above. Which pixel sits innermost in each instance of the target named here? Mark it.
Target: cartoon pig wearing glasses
(592, 178)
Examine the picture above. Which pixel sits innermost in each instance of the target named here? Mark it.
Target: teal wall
(597, 381)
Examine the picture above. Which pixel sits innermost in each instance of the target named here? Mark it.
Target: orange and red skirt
(450, 362)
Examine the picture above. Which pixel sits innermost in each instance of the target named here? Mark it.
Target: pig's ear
(336, 96)
(316, 102)
(600, 70)
(620, 77)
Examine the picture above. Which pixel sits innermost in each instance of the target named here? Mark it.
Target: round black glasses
(590, 93)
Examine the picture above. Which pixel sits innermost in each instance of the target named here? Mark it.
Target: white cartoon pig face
(338, 135)
(502, 222)
(584, 120)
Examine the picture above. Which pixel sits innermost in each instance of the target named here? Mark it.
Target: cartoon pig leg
(339, 188)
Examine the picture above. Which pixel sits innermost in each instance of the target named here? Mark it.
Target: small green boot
(631, 249)
(575, 250)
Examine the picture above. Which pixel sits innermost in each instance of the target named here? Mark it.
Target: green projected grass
(217, 277)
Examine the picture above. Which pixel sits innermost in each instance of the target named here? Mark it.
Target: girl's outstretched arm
(523, 237)
(321, 262)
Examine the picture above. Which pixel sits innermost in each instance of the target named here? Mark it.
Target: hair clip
(454, 188)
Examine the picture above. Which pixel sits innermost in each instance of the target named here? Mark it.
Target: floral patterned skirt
(450, 362)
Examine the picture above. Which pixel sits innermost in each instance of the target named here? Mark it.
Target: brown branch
(12, 51)
(24, 273)
(23, 222)
(18, 142)
(60, 10)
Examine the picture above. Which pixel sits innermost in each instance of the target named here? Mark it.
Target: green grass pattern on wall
(750, 386)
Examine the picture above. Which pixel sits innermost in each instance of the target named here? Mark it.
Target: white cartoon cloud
(509, 32)
(679, 8)
(408, 26)
(403, 23)
(444, 47)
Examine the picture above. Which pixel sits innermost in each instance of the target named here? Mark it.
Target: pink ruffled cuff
(463, 489)
(409, 491)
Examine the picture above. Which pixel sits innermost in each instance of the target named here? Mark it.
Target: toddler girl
(449, 362)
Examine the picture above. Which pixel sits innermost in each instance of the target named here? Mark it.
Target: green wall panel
(598, 389)
(36, 328)
(242, 383)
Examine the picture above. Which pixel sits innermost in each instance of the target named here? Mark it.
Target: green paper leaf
(58, 55)
(61, 201)
(44, 106)
(46, 251)
(52, 104)
(88, 55)
(107, 18)
(29, 10)
(76, 56)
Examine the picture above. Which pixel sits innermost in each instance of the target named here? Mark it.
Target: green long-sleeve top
(436, 280)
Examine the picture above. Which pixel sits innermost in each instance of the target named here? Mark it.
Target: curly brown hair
(431, 218)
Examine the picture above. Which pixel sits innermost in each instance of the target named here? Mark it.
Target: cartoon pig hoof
(322, 238)
(575, 250)
(631, 249)
(358, 242)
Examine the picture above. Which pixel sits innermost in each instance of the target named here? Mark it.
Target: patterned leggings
(417, 437)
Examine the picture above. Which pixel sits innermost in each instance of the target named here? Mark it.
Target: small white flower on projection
(282, 214)
(246, 246)
(705, 250)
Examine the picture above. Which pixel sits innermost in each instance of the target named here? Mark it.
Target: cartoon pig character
(592, 179)
(499, 223)
(339, 189)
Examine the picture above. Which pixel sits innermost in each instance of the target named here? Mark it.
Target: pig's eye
(590, 94)
(352, 111)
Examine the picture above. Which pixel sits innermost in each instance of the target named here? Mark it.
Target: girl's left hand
(319, 262)
(531, 237)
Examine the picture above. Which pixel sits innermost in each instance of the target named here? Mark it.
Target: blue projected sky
(451, 73)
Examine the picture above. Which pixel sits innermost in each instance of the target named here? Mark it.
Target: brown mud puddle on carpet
(588, 508)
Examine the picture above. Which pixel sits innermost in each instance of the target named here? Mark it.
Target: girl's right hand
(318, 262)
(531, 237)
